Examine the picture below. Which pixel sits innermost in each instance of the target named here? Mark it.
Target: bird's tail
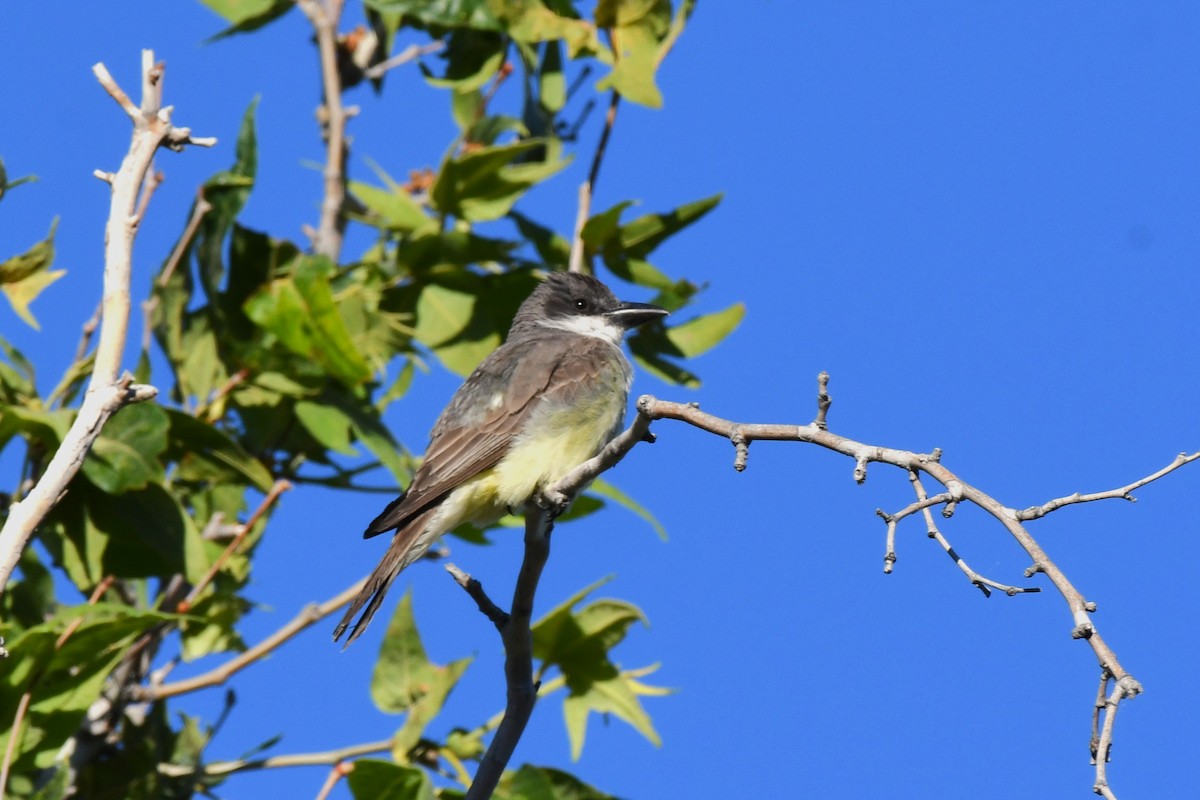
(408, 544)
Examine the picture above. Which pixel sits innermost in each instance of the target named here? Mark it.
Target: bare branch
(1122, 493)
(107, 391)
(410, 53)
(325, 17)
(278, 489)
(588, 187)
(323, 758)
(308, 616)
(474, 588)
(956, 490)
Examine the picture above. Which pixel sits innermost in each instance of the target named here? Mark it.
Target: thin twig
(410, 53)
(308, 616)
(218, 768)
(277, 489)
(588, 188)
(107, 391)
(325, 17)
(1122, 493)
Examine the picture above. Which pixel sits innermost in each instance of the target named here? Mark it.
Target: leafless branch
(325, 757)
(410, 53)
(307, 617)
(588, 187)
(1122, 493)
(956, 490)
(325, 15)
(107, 391)
(278, 489)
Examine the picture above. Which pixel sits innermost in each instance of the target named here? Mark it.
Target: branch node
(1033, 569)
(742, 447)
(860, 469)
(107, 177)
(1090, 607)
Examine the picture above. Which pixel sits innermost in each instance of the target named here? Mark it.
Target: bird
(541, 404)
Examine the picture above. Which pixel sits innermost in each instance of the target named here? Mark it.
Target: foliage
(279, 367)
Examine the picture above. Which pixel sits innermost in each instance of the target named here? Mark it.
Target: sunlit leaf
(24, 276)
(699, 335)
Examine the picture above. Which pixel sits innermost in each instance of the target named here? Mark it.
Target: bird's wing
(478, 426)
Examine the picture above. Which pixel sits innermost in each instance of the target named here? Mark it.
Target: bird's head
(580, 304)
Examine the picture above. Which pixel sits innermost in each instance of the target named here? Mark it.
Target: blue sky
(980, 218)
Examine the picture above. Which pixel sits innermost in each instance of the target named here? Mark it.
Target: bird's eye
(582, 304)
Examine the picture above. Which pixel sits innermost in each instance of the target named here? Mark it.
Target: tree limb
(107, 391)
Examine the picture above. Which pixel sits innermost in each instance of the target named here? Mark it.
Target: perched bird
(544, 402)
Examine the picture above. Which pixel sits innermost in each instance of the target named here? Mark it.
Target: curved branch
(107, 390)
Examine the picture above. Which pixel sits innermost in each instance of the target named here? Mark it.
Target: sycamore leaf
(24, 276)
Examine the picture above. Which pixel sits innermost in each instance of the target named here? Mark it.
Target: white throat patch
(592, 325)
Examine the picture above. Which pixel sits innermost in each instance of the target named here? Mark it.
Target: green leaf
(6, 184)
(372, 779)
(553, 249)
(406, 680)
(125, 455)
(396, 209)
(23, 277)
(17, 380)
(369, 429)
(639, 29)
(476, 14)
(640, 237)
(601, 228)
(606, 489)
(442, 314)
(611, 694)
(472, 59)
(547, 783)
(206, 453)
(46, 428)
(327, 424)
(247, 15)
(211, 625)
(701, 334)
(302, 312)
(226, 192)
(552, 91)
(483, 184)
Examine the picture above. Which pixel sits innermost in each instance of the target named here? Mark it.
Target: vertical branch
(107, 391)
(588, 187)
(325, 16)
(517, 635)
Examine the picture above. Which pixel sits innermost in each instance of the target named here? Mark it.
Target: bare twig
(107, 392)
(339, 770)
(323, 758)
(307, 617)
(199, 209)
(1122, 493)
(325, 15)
(588, 187)
(277, 489)
(410, 53)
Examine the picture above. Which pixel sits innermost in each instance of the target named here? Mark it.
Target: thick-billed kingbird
(544, 402)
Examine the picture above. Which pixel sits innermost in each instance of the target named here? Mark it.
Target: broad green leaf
(23, 277)
(606, 489)
(204, 452)
(602, 227)
(396, 210)
(552, 89)
(552, 248)
(472, 59)
(46, 428)
(612, 694)
(442, 314)
(699, 335)
(302, 312)
(17, 380)
(475, 14)
(406, 680)
(125, 455)
(547, 631)
(327, 424)
(226, 192)
(247, 15)
(369, 429)
(399, 387)
(372, 779)
(641, 236)
(534, 21)
(546, 783)
(211, 625)
(636, 58)
(483, 184)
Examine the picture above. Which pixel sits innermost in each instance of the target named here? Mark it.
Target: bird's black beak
(631, 315)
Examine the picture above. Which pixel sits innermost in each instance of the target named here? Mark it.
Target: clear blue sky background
(980, 218)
